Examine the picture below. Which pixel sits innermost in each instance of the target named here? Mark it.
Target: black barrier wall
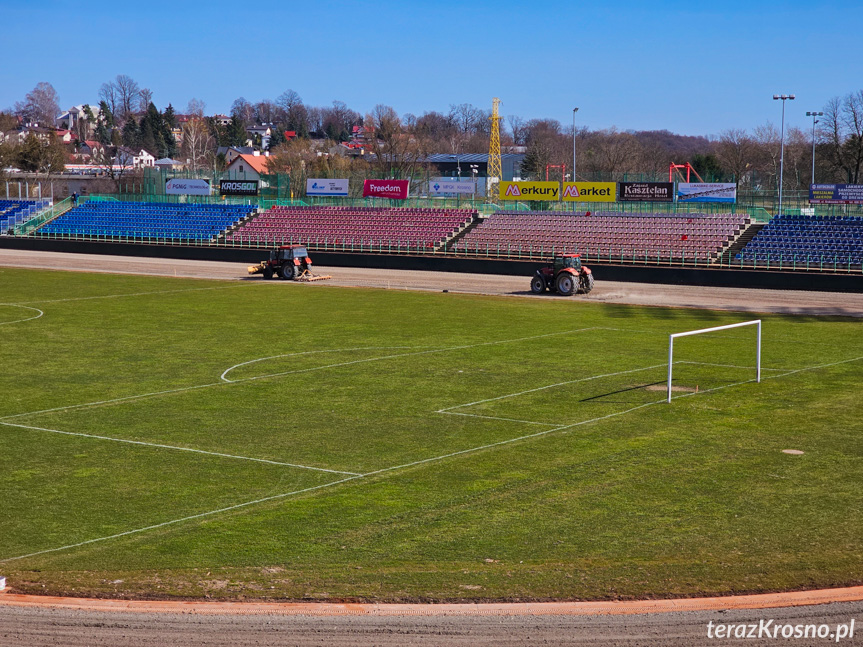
(815, 281)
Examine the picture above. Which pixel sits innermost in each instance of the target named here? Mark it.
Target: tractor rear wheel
(565, 284)
(288, 272)
(586, 283)
(537, 285)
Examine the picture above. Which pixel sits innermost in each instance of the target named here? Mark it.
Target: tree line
(126, 115)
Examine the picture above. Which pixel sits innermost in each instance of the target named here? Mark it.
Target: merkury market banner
(393, 189)
(547, 191)
(706, 192)
(646, 192)
(589, 192)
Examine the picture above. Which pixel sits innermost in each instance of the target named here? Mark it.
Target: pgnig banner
(547, 191)
(589, 192)
(706, 192)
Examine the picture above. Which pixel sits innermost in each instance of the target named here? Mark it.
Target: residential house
(134, 159)
(248, 167)
(231, 153)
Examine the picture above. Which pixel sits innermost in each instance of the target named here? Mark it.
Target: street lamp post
(474, 169)
(574, 110)
(814, 121)
(784, 98)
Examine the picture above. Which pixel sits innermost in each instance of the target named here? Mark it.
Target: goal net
(672, 337)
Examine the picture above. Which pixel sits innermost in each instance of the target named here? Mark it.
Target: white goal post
(672, 337)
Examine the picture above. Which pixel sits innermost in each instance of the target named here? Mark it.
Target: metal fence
(508, 251)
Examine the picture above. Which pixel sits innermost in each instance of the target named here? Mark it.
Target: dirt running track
(739, 299)
(60, 625)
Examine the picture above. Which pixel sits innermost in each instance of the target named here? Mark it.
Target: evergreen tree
(131, 134)
(105, 125)
(236, 135)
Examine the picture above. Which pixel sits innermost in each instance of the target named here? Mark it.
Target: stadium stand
(655, 235)
(146, 220)
(14, 212)
(414, 228)
(827, 239)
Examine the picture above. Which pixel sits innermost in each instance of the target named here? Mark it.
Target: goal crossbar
(673, 336)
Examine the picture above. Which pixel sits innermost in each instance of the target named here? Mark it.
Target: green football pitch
(171, 437)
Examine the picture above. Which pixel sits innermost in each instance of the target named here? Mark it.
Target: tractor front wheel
(288, 272)
(565, 284)
(267, 272)
(537, 285)
(586, 283)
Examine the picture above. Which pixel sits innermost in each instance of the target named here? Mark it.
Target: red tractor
(565, 275)
(290, 262)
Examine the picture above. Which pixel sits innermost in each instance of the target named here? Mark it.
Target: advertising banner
(706, 192)
(176, 186)
(393, 189)
(589, 192)
(461, 188)
(316, 186)
(546, 191)
(646, 192)
(836, 194)
(238, 187)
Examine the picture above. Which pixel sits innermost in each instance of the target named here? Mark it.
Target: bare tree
(768, 152)
(196, 108)
(243, 111)
(41, 105)
(145, 98)
(397, 151)
(843, 134)
(198, 143)
(736, 152)
(128, 93)
(266, 111)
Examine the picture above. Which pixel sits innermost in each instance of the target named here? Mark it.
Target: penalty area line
(178, 448)
(200, 515)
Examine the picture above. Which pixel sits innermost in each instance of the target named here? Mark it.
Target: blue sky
(634, 65)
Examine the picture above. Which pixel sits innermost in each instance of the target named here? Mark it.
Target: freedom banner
(393, 189)
(317, 186)
(706, 192)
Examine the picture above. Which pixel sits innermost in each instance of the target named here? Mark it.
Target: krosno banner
(393, 189)
(176, 186)
(462, 188)
(589, 192)
(706, 192)
(317, 186)
(547, 191)
(238, 187)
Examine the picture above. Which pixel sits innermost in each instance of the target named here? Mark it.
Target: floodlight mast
(754, 322)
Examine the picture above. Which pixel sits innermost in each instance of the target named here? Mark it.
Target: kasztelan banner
(467, 187)
(706, 192)
(177, 186)
(317, 186)
(547, 191)
(589, 192)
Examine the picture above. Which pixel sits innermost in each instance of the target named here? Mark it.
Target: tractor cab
(572, 261)
(288, 253)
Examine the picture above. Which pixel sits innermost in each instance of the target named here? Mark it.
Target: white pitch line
(412, 464)
(308, 352)
(474, 415)
(178, 448)
(763, 368)
(17, 305)
(813, 368)
(176, 521)
(141, 396)
(128, 294)
(549, 386)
